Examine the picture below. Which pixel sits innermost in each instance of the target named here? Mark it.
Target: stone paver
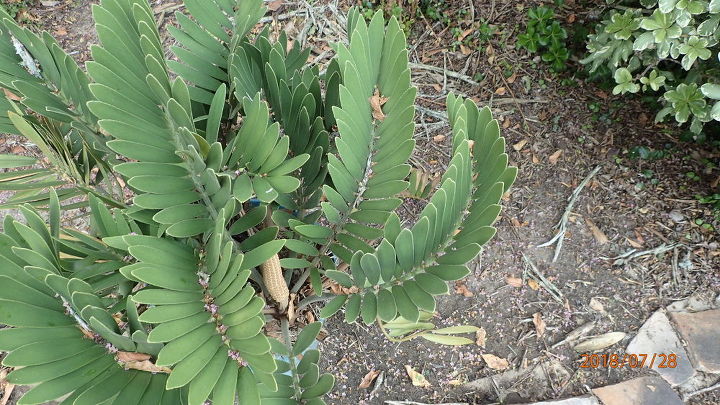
(586, 400)
(701, 331)
(639, 391)
(658, 336)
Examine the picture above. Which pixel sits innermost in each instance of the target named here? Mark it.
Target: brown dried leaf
(461, 288)
(512, 78)
(539, 324)
(337, 289)
(500, 91)
(533, 284)
(634, 244)
(368, 379)
(60, 32)
(11, 95)
(417, 379)
(495, 362)
(514, 281)
(555, 156)
(146, 365)
(518, 146)
(599, 235)
(465, 50)
(376, 102)
(125, 357)
(466, 33)
(274, 5)
(87, 333)
(535, 159)
(506, 123)
(596, 305)
(439, 138)
(480, 337)
(599, 342)
(17, 149)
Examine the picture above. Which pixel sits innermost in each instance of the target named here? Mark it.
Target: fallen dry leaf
(480, 337)
(11, 95)
(417, 379)
(376, 102)
(640, 239)
(17, 149)
(518, 146)
(60, 32)
(535, 159)
(495, 362)
(274, 5)
(533, 284)
(539, 324)
(131, 356)
(555, 156)
(466, 33)
(599, 235)
(512, 78)
(439, 138)
(461, 288)
(146, 365)
(634, 244)
(338, 289)
(514, 281)
(599, 342)
(506, 123)
(465, 50)
(368, 379)
(596, 305)
(500, 91)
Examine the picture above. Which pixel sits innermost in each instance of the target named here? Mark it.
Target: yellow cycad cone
(275, 282)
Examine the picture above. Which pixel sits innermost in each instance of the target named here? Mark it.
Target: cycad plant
(231, 186)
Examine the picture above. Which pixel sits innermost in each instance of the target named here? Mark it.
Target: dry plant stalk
(275, 282)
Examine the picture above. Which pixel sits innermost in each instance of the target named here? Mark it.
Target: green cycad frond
(294, 93)
(374, 145)
(298, 376)
(206, 45)
(411, 266)
(207, 316)
(52, 317)
(57, 88)
(150, 118)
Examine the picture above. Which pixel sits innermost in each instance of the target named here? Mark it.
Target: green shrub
(544, 34)
(666, 47)
(253, 178)
(14, 7)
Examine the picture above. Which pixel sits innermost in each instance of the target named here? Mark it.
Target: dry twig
(562, 225)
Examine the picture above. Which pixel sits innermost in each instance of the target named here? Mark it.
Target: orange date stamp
(659, 360)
